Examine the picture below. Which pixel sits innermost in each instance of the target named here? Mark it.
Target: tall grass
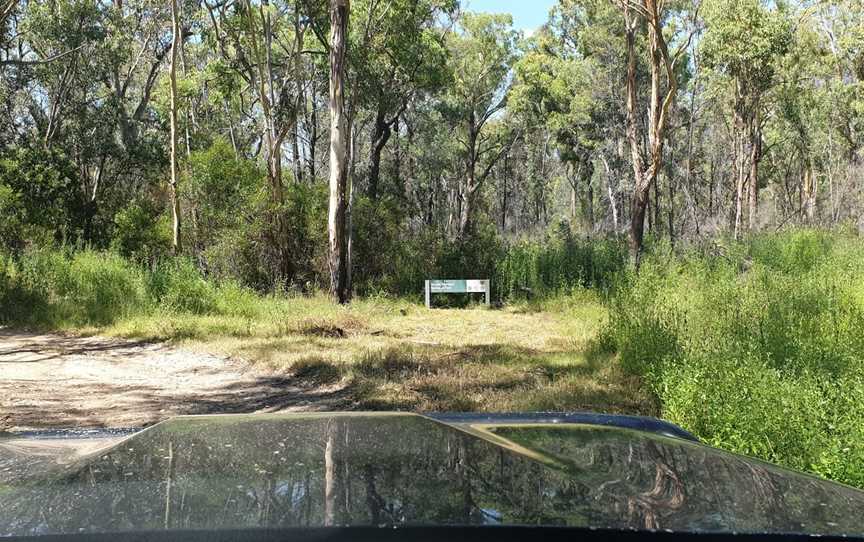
(557, 266)
(756, 347)
(49, 288)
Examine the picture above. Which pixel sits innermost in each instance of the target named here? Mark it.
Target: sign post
(457, 286)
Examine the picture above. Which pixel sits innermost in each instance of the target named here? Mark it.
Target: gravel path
(57, 381)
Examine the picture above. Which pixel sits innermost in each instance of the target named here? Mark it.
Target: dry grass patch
(394, 355)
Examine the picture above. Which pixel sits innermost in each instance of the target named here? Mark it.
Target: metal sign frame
(457, 286)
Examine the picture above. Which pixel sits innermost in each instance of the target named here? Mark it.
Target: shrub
(760, 352)
(51, 288)
(46, 191)
(141, 233)
(177, 285)
(558, 264)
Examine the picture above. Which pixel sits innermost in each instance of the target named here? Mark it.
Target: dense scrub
(756, 348)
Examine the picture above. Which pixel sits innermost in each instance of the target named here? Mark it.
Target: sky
(527, 14)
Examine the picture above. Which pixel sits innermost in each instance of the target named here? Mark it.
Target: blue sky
(527, 14)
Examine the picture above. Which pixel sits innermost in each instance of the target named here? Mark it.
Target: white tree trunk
(175, 197)
(339, 134)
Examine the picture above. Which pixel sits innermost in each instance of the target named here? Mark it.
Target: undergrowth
(756, 347)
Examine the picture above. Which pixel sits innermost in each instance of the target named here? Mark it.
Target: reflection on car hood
(313, 470)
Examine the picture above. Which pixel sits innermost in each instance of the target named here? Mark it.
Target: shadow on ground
(54, 381)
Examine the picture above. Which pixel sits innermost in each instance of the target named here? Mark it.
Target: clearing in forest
(308, 355)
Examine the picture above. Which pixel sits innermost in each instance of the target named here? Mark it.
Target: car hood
(319, 470)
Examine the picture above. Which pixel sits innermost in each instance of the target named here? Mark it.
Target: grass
(756, 347)
(396, 355)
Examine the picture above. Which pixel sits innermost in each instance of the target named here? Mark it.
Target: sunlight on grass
(393, 354)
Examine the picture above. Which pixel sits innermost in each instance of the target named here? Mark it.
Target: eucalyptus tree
(176, 45)
(83, 76)
(744, 41)
(556, 85)
(339, 133)
(647, 141)
(397, 51)
(483, 51)
(590, 36)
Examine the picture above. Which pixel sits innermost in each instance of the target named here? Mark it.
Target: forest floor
(367, 357)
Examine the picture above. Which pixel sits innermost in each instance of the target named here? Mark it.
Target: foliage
(141, 232)
(558, 264)
(39, 188)
(755, 348)
(744, 40)
(52, 288)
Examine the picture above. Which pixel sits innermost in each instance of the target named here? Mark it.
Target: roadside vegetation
(756, 347)
(224, 174)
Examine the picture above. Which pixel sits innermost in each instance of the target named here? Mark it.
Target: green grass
(386, 353)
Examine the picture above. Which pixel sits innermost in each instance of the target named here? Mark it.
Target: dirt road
(56, 381)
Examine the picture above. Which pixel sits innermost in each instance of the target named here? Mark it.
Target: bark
(640, 197)
(380, 136)
(299, 98)
(174, 188)
(589, 202)
(647, 161)
(741, 177)
(748, 154)
(755, 157)
(689, 167)
(573, 181)
(339, 134)
(313, 137)
(808, 192)
(610, 193)
(264, 78)
(474, 178)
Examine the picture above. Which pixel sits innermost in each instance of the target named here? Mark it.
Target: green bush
(141, 233)
(559, 263)
(50, 287)
(177, 285)
(757, 350)
(101, 288)
(44, 188)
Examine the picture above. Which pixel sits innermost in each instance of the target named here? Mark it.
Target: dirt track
(56, 381)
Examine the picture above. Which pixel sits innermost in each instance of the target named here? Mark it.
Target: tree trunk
(610, 192)
(647, 161)
(466, 198)
(639, 201)
(740, 159)
(589, 202)
(266, 96)
(467, 205)
(639, 205)
(299, 98)
(313, 131)
(380, 135)
(174, 189)
(809, 192)
(755, 157)
(573, 181)
(339, 133)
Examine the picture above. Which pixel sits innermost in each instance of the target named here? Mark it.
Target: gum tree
(744, 41)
